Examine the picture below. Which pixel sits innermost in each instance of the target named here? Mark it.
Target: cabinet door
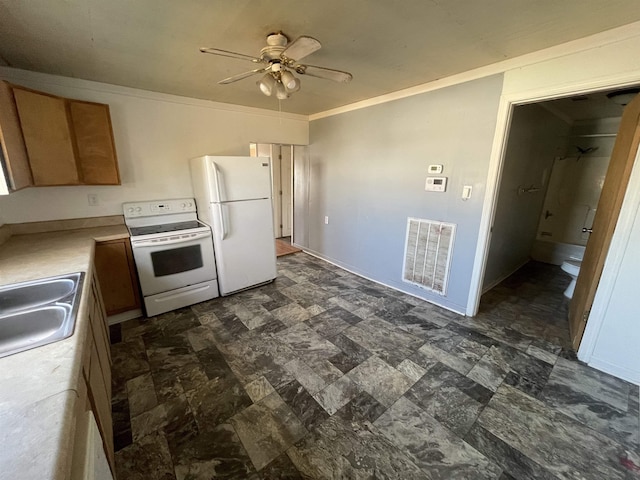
(13, 148)
(117, 276)
(100, 370)
(48, 138)
(94, 140)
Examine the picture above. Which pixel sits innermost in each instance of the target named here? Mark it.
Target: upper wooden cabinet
(47, 135)
(65, 141)
(96, 152)
(14, 152)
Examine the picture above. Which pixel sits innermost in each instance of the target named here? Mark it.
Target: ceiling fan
(281, 59)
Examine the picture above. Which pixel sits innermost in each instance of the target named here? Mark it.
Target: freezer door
(238, 178)
(244, 244)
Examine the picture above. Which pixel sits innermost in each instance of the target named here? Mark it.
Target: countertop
(38, 387)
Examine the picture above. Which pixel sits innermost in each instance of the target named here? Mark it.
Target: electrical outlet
(326, 219)
(93, 199)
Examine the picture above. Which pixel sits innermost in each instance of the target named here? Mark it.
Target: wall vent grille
(427, 255)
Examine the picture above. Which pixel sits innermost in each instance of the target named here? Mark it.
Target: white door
(244, 246)
(239, 178)
(286, 184)
(276, 168)
(606, 218)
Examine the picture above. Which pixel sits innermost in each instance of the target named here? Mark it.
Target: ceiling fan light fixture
(288, 80)
(267, 84)
(295, 86)
(281, 91)
(280, 64)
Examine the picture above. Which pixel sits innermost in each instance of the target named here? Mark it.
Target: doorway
(554, 167)
(282, 184)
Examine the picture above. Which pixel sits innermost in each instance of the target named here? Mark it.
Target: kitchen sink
(32, 295)
(36, 313)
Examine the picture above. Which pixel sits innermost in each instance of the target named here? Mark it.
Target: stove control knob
(130, 209)
(139, 209)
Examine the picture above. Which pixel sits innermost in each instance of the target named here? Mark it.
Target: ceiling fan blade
(322, 72)
(240, 76)
(226, 53)
(301, 47)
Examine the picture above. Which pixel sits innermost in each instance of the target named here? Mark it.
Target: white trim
(44, 79)
(613, 262)
(321, 257)
(498, 151)
(124, 316)
(593, 41)
(632, 376)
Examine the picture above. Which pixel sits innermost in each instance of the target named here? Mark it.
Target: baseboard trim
(317, 255)
(124, 316)
(632, 376)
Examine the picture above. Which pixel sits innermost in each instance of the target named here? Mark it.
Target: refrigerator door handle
(222, 222)
(216, 179)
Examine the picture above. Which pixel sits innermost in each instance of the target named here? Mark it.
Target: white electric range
(173, 252)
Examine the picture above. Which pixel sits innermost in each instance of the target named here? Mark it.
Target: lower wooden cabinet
(94, 389)
(117, 275)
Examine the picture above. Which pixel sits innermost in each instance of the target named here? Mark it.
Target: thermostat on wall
(436, 184)
(435, 169)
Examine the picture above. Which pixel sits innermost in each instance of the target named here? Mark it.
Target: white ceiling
(388, 45)
(593, 106)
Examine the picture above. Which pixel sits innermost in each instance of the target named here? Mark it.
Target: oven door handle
(222, 222)
(170, 241)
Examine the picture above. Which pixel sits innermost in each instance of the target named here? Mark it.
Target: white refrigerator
(233, 197)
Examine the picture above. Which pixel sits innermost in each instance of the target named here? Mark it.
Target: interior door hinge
(280, 192)
(280, 157)
(585, 316)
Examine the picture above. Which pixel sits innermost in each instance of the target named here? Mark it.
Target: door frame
(255, 150)
(496, 164)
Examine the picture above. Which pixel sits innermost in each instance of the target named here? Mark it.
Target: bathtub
(555, 252)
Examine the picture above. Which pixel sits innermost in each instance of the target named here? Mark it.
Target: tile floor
(325, 375)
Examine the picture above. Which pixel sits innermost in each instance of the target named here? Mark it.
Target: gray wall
(367, 173)
(535, 137)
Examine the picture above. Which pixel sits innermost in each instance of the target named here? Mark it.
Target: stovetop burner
(164, 228)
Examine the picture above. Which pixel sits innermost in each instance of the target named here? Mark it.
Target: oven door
(174, 261)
